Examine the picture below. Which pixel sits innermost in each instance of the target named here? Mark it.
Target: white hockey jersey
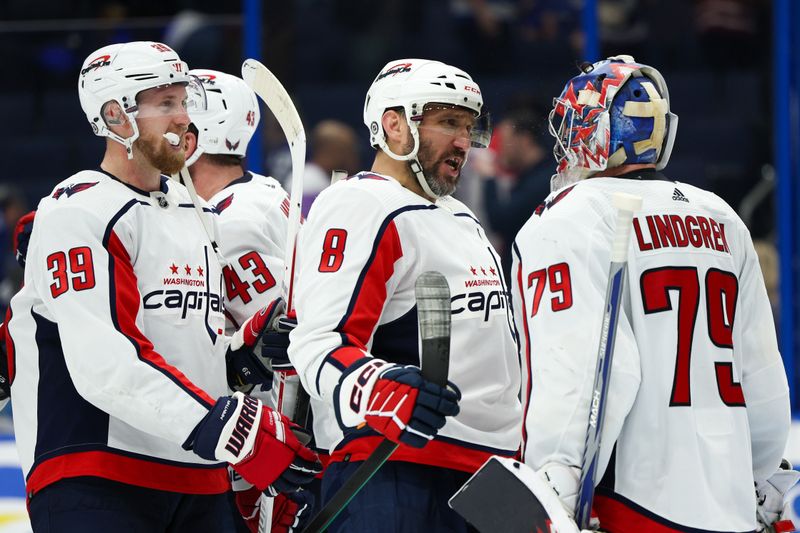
(252, 221)
(116, 339)
(365, 242)
(698, 399)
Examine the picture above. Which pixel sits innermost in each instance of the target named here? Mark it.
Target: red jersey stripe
(371, 296)
(526, 400)
(138, 472)
(616, 516)
(126, 301)
(435, 453)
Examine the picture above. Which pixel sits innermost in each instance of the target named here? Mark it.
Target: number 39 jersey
(252, 220)
(365, 242)
(116, 340)
(698, 398)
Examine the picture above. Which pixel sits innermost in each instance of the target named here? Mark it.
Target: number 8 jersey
(365, 242)
(698, 405)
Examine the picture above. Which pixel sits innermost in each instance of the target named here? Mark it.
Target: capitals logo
(186, 289)
(207, 79)
(69, 190)
(394, 70)
(96, 63)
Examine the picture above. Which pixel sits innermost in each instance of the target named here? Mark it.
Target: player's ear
(116, 119)
(189, 143)
(394, 127)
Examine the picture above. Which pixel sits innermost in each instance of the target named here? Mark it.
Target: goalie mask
(615, 113)
(119, 72)
(230, 118)
(413, 84)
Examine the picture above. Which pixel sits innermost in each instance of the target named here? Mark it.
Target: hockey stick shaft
(433, 313)
(274, 95)
(626, 205)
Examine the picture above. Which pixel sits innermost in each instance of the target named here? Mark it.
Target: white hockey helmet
(231, 117)
(119, 72)
(412, 84)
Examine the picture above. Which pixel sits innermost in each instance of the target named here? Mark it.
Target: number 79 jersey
(698, 400)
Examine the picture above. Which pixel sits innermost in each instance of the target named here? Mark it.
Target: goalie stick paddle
(625, 204)
(433, 314)
(274, 95)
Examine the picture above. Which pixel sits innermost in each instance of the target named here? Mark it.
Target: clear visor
(457, 121)
(170, 100)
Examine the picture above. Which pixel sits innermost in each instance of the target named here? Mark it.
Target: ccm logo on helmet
(102, 61)
(472, 89)
(396, 69)
(207, 79)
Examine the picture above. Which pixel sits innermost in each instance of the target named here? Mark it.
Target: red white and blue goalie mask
(615, 113)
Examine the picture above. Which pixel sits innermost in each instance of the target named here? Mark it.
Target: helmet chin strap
(126, 142)
(413, 161)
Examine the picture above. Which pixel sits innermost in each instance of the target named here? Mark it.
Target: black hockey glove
(275, 345)
(245, 365)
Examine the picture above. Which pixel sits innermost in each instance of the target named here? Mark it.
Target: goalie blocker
(506, 495)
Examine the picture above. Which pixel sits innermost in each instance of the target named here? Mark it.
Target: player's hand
(245, 367)
(408, 409)
(258, 442)
(772, 510)
(291, 512)
(275, 345)
(22, 236)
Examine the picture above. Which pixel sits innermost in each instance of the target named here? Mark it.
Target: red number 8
(333, 250)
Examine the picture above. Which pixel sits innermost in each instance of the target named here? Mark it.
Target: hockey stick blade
(625, 204)
(433, 313)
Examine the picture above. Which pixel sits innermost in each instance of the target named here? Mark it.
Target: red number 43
(74, 268)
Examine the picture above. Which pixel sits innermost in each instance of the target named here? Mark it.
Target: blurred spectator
(548, 32)
(624, 28)
(485, 29)
(732, 32)
(523, 154)
(333, 147)
(194, 36)
(12, 206)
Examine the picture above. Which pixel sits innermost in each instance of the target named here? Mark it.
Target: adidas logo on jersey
(678, 196)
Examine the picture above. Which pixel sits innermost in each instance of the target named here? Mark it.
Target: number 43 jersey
(253, 212)
(698, 399)
(366, 240)
(116, 341)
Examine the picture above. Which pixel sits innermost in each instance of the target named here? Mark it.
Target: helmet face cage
(119, 72)
(231, 117)
(617, 113)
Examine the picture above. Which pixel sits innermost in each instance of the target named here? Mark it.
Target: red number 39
(73, 267)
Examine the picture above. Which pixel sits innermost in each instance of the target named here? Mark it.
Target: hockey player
(119, 356)
(356, 346)
(698, 406)
(252, 215)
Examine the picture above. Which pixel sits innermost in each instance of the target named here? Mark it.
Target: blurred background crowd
(714, 55)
